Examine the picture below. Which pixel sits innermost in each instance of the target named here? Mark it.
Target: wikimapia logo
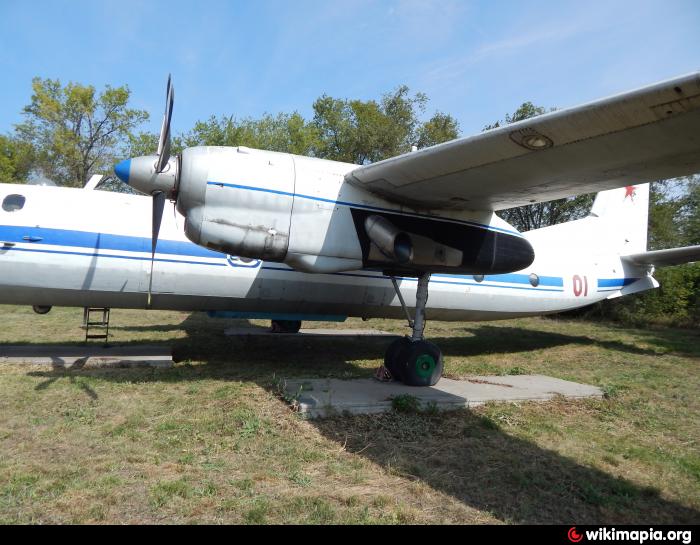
(574, 536)
(636, 536)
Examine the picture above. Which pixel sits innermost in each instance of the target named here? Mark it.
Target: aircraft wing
(663, 258)
(649, 134)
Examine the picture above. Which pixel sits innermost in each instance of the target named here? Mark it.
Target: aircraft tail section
(624, 215)
(615, 226)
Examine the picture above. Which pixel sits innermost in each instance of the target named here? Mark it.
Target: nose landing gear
(413, 360)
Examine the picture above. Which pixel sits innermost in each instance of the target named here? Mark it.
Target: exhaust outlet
(392, 243)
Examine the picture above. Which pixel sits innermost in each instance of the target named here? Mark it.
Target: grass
(209, 441)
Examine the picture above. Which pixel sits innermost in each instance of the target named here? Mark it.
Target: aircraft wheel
(422, 364)
(392, 356)
(286, 326)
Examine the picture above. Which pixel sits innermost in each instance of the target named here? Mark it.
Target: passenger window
(13, 202)
(534, 280)
(479, 277)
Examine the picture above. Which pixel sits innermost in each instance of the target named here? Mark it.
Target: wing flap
(644, 135)
(664, 258)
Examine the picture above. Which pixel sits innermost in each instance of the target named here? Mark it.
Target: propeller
(143, 173)
(158, 179)
(164, 139)
(161, 165)
(157, 217)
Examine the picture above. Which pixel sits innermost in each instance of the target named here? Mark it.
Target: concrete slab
(327, 397)
(69, 356)
(344, 333)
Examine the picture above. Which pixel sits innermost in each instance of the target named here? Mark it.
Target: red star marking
(630, 191)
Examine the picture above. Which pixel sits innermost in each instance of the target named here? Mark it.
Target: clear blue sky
(475, 60)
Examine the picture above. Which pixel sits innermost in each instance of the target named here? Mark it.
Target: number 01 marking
(580, 286)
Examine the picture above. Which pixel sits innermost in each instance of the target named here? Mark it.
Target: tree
(537, 215)
(143, 143)
(15, 160)
(354, 131)
(691, 210)
(74, 130)
(438, 129)
(288, 133)
(362, 132)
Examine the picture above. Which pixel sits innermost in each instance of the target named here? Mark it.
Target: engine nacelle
(220, 194)
(300, 211)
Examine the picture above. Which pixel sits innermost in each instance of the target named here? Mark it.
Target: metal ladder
(101, 323)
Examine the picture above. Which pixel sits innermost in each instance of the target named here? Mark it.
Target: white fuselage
(74, 247)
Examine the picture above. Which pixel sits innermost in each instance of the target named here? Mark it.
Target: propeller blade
(164, 139)
(158, 206)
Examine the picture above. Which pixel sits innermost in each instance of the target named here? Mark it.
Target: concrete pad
(88, 355)
(344, 333)
(327, 397)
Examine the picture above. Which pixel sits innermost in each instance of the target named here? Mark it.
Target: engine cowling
(220, 194)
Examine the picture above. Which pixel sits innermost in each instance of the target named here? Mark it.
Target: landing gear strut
(413, 360)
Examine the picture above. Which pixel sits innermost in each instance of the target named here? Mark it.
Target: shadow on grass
(261, 357)
(507, 340)
(205, 342)
(460, 453)
(468, 457)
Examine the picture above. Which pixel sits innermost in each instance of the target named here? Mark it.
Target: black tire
(422, 364)
(392, 356)
(286, 326)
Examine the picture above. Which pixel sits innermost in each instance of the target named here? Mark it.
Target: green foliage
(543, 214)
(692, 204)
(288, 133)
(74, 130)
(406, 403)
(525, 111)
(438, 129)
(142, 143)
(15, 160)
(361, 132)
(71, 132)
(675, 303)
(356, 131)
(353, 131)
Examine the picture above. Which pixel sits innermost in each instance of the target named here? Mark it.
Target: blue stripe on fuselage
(105, 241)
(615, 282)
(102, 241)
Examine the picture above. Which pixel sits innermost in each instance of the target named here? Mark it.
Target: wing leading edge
(649, 134)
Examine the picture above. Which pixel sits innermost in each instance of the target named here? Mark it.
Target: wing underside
(645, 135)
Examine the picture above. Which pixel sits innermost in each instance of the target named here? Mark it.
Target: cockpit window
(13, 202)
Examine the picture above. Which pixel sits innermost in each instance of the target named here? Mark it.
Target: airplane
(260, 234)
